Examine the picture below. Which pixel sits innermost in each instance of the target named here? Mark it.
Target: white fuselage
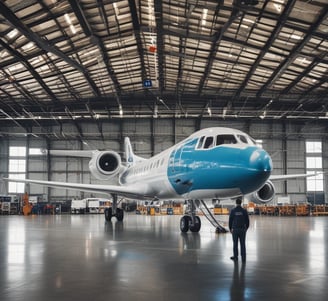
(193, 170)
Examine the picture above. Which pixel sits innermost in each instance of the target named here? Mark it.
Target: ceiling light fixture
(12, 34)
(248, 2)
(72, 28)
(155, 115)
(117, 12)
(204, 16)
(163, 103)
(224, 112)
(296, 37)
(69, 22)
(277, 6)
(68, 19)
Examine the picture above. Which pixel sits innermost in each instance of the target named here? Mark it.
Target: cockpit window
(253, 141)
(209, 142)
(246, 139)
(225, 139)
(200, 142)
(243, 139)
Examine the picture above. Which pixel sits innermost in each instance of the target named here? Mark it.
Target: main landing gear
(114, 211)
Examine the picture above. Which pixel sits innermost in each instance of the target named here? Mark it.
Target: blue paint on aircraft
(221, 167)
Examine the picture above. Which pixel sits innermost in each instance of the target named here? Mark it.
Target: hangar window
(313, 147)
(17, 151)
(35, 151)
(17, 168)
(314, 165)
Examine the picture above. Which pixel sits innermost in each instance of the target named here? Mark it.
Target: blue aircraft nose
(257, 169)
(260, 161)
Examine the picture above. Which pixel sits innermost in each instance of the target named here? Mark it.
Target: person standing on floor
(238, 226)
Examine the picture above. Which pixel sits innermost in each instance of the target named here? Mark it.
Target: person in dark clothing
(238, 225)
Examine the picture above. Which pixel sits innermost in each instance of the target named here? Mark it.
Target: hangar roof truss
(77, 60)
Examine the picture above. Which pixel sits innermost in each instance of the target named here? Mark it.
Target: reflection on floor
(147, 258)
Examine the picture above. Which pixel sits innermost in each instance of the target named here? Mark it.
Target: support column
(48, 144)
(284, 155)
(152, 138)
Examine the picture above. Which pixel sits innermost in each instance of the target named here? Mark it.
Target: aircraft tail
(131, 158)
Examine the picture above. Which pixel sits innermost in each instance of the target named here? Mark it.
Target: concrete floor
(147, 258)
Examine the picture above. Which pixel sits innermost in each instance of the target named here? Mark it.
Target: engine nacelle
(264, 195)
(104, 165)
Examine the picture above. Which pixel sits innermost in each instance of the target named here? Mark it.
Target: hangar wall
(285, 141)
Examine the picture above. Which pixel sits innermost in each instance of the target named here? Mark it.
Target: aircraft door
(175, 160)
(179, 157)
(179, 161)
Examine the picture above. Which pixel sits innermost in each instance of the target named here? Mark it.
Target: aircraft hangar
(81, 75)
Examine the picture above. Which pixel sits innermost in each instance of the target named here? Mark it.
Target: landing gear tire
(108, 214)
(119, 214)
(184, 223)
(196, 226)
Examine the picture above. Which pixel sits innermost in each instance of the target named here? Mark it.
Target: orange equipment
(27, 207)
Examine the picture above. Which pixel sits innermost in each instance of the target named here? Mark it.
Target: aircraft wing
(69, 153)
(294, 176)
(135, 192)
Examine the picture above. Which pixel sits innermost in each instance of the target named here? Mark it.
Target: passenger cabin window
(225, 139)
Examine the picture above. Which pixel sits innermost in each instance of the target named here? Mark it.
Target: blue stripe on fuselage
(245, 167)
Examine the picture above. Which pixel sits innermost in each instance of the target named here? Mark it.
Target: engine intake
(264, 195)
(105, 164)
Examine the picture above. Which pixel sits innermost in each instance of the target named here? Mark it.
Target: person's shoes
(234, 258)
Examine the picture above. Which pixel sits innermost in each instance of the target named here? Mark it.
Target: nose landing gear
(187, 223)
(192, 222)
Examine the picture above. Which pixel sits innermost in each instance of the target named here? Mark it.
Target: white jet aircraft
(212, 163)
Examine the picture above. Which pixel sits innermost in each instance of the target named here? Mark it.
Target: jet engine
(104, 165)
(264, 195)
